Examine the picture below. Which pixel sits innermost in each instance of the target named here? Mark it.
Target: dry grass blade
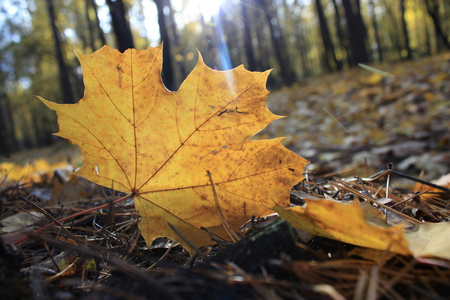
(83, 212)
(121, 266)
(185, 239)
(346, 187)
(54, 221)
(233, 236)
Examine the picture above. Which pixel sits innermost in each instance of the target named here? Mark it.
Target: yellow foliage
(343, 222)
(30, 172)
(348, 223)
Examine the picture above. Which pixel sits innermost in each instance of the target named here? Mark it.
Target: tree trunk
(91, 38)
(40, 127)
(101, 34)
(81, 30)
(278, 43)
(375, 29)
(427, 38)
(394, 35)
(120, 24)
(330, 61)
(262, 49)
(176, 42)
(8, 139)
(433, 11)
(248, 41)
(356, 32)
(63, 72)
(167, 73)
(405, 31)
(343, 41)
(227, 39)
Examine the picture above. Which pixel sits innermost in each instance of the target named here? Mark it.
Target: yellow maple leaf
(344, 222)
(140, 138)
(347, 222)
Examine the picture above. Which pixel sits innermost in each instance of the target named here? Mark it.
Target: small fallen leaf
(66, 192)
(430, 240)
(346, 222)
(20, 220)
(343, 222)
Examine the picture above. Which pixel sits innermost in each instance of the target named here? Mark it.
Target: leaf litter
(361, 120)
(114, 260)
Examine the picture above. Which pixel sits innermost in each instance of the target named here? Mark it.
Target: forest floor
(359, 120)
(347, 124)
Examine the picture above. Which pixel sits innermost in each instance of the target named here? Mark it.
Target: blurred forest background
(298, 38)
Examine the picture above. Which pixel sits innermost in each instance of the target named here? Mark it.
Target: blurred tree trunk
(278, 43)
(90, 26)
(433, 11)
(101, 34)
(176, 43)
(329, 60)
(167, 71)
(356, 32)
(393, 32)
(375, 29)
(79, 26)
(301, 42)
(343, 41)
(405, 31)
(41, 129)
(262, 50)
(248, 41)
(63, 71)
(120, 24)
(139, 16)
(228, 39)
(8, 139)
(427, 38)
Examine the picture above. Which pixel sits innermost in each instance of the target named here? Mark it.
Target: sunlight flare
(209, 8)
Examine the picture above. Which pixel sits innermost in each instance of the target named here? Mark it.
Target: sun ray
(209, 8)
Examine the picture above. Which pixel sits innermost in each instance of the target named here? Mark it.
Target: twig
(48, 215)
(355, 192)
(336, 120)
(73, 216)
(184, 238)
(233, 236)
(159, 290)
(409, 199)
(172, 245)
(385, 172)
(376, 176)
(439, 187)
(373, 70)
(389, 167)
